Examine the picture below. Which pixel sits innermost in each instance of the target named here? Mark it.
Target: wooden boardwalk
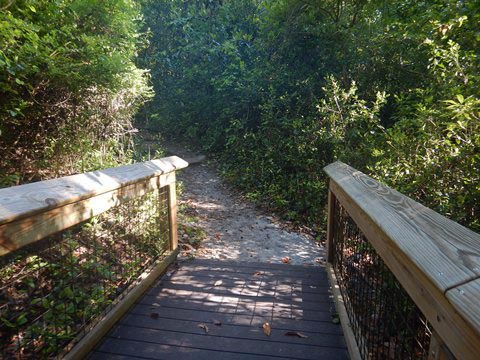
(209, 309)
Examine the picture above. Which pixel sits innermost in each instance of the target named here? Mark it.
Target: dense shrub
(68, 85)
(279, 89)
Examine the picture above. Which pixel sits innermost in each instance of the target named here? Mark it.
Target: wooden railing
(81, 229)
(435, 260)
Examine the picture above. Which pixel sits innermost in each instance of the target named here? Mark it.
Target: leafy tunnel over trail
(276, 89)
(279, 89)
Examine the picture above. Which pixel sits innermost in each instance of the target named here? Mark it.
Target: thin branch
(8, 5)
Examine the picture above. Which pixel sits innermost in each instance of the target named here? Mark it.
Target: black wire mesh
(386, 322)
(53, 292)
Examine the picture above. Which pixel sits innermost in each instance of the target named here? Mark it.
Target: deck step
(232, 300)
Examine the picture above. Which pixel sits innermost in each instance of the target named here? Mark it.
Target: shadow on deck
(210, 309)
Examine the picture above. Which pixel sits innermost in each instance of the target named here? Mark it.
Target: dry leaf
(257, 273)
(217, 236)
(336, 319)
(154, 315)
(286, 260)
(217, 322)
(267, 329)
(204, 327)
(218, 283)
(297, 334)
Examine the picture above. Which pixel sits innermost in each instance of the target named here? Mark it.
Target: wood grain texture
(348, 334)
(453, 328)
(330, 222)
(165, 323)
(14, 235)
(445, 251)
(438, 350)
(172, 215)
(466, 299)
(25, 200)
(230, 330)
(428, 253)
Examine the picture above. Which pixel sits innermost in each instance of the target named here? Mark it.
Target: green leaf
(22, 319)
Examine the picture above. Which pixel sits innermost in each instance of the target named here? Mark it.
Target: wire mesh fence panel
(385, 321)
(55, 290)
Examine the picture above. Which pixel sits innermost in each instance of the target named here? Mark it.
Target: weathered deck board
(242, 296)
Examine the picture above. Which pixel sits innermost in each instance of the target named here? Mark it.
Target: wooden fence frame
(435, 259)
(31, 212)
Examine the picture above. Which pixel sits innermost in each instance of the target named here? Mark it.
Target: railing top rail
(446, 251)
(19, 202)
(428, 253)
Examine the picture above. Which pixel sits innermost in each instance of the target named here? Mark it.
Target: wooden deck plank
(241, 307)
(305, 285)
(206, 296)
(235, 314)
(332, 336)
(266, 288)
(165, 323)
(248, 290)
(466, 299)
(146, 350)
(211, 299)
(261, 346)
(252, 264)
(283, 270)
(97, 355)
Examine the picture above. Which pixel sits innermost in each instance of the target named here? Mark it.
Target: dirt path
(233, 228)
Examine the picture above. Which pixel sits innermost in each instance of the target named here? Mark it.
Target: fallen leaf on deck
(217, 322)
(297, 334)
(154, 315)
(204, 327)
(257, 273)
(286, 260)
(335, 319)
(218, 283)
(217, 236)
(267, 329)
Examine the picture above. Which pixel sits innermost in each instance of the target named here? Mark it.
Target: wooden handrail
(31, 212)
(435, 259)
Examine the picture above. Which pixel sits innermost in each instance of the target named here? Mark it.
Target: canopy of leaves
(281, 88)
(68, 85)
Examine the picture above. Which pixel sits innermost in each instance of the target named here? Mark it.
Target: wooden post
(172, 216)
(435, 259)
(330, 222)
(438, 350)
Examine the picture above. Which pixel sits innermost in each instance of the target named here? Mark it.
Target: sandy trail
(235, 229)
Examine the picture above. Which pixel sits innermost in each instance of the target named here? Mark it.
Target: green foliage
(62, 285)
(68, 85)
(434, 146)
(279, 89)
